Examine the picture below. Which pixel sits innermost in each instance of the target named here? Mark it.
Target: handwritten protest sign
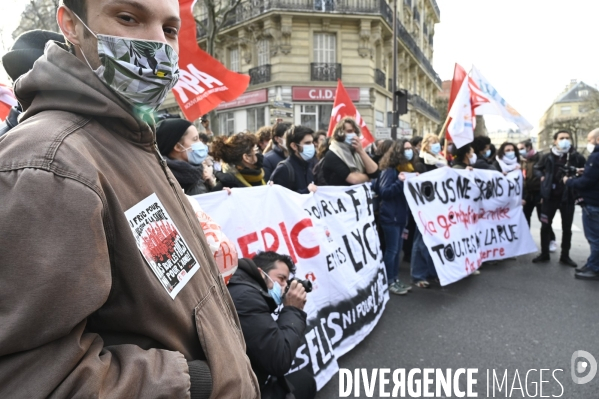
(468, 217)
(333, 241)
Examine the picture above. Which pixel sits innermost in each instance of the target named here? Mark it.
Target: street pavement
(515, 315)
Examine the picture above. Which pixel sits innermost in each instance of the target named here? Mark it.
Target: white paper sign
(468, 217)
(162, 245)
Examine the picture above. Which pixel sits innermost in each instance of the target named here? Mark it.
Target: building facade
(296, 50)
(570, 111)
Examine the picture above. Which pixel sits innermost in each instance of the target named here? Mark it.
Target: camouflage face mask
(140, 71)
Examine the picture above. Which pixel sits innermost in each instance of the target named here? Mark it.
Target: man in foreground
(108, 288)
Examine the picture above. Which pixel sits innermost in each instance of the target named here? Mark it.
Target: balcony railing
(420, 104)
(249, 9)
(325, 72)
(259, 75)
(379, 77)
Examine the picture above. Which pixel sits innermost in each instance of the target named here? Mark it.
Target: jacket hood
(250, 268)
(60, 81)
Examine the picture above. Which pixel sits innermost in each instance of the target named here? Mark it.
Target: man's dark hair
(562, 131)
(462, 152)
(527, 144)
(415, 141)
(79, 7)
(279, 129)
(204, 138)
(295, 134)
(266, 261)
(479, 143)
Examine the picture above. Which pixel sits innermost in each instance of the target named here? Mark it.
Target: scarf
(530, 154)
(351, 159)
(557, 152)
(508, 165)
(436, 160)
(248, 177)
(185, 173)
(406, 167)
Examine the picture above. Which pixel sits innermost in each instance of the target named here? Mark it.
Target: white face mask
(140, 71)
(591, 148)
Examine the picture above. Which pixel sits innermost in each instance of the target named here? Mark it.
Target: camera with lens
(568, 170)
(307, 284)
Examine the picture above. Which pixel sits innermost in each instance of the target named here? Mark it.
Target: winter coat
(393, 208)
(84, 314)
(271, 160)
(587, 185)
(532, 182)
(545, 167)
(294, 174)
(271, 344)
(188, 176)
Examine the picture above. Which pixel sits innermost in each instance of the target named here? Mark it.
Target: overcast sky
(528, 49)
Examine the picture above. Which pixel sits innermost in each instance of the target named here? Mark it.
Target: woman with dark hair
(185, 154)
(464, 157)
(347, 163)
(414, 165)
(482, 149)
(507, 159)
(264, 135)
(276, 150)
(393, 211)
(317, 170)
(242, 162)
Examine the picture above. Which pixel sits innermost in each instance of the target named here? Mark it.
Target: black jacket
(294, 173)
(532, 182)
(271, 345)
(11, 120)
(587, 185)
(545, 168)
(271, 160)
(482, 163)
(189, 176)
(393, 205)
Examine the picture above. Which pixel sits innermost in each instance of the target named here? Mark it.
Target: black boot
(565, 260)
(542, 258)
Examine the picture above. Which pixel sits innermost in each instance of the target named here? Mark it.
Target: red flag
(7, 101)
(204, 82)
(343, 107)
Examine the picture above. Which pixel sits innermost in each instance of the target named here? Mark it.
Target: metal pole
(395, 110)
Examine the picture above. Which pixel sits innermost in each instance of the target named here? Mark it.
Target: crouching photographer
(588, 188)
(258, 287)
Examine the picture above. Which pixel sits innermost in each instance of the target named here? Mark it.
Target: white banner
(333, 241)
(469, 217)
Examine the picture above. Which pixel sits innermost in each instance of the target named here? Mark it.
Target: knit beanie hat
(169, 132)
(28, 47)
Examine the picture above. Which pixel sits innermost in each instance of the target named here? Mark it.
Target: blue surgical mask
(275, 292)
(197, 153)
(308, 152)
(487, 153)
(436, 148)
(409, 154)
(523, 153)
(510, 155)
(564, 145)
(349, 137)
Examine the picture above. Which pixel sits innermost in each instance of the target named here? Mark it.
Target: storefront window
(316, 117)
(255, 119)
(227, 123)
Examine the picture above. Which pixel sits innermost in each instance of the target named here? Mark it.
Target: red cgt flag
(345, 107)
(7, 101)
(203, 81)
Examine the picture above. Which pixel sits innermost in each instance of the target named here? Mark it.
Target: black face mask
(259, 162)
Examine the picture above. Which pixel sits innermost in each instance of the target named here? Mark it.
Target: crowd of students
(300, 159)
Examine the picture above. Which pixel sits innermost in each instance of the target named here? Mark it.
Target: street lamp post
(395, 115)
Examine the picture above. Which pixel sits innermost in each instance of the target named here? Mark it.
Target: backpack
(290, 171)
(318, 172)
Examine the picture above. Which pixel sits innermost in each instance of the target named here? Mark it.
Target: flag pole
(444, 126)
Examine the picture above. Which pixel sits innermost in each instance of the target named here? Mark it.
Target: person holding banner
(561, 161)
(482, 149)
(430, 155)
(347, 163)
(243, 163)
(393, 209)
(295, 172)
(507, 159)
(463, 157)
(258, 287)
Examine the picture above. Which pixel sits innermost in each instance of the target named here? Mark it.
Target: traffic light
(401, 96)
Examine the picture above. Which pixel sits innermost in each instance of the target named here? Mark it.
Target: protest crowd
(81, 165)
